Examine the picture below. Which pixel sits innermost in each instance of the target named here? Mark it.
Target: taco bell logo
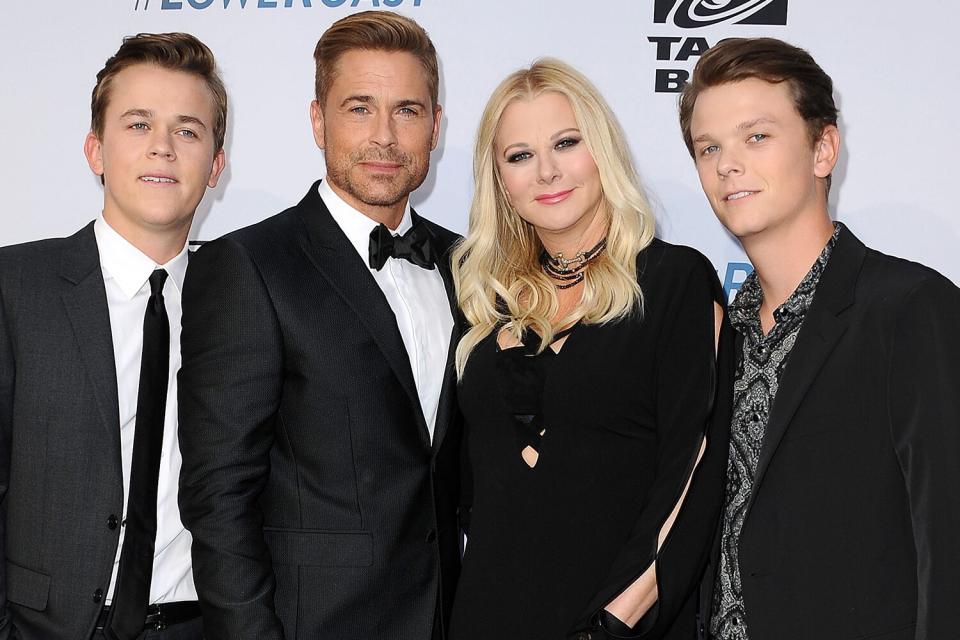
(693, 14)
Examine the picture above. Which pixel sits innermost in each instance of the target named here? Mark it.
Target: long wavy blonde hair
(496, 268)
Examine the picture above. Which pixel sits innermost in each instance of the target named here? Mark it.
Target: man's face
(755, 159)
(377, 127)
(156, 154)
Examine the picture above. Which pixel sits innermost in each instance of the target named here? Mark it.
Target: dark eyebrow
(357, 98)
(191, 120)
(559, 134)
(411, 103)
(137, 113)
(752, 123)
(522, 145)
(749, 124)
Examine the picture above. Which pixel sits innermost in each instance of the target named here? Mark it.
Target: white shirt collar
(355, 224)
(129, 267)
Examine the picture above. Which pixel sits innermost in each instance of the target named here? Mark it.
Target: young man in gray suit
(89, 350)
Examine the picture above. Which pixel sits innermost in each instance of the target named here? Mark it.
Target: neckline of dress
(531, 339)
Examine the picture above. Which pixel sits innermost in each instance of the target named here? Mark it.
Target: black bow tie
(414, 246)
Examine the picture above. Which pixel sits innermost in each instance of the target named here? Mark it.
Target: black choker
(570, 271)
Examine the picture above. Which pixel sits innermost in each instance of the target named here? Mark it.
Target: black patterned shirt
(762, 361)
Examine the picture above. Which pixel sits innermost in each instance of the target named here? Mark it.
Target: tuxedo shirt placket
(760, 368)
(417, 297)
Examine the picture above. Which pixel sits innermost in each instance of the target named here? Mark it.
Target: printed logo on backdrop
(697, 14)
(692, 14)
(180, 5)
(733, 277)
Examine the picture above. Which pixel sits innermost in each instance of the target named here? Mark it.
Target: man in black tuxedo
(842, 514)
(89, 349)
(318, 427)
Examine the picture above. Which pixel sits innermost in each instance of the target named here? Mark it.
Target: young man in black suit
(842, 513)
(89, 329)
(318, 426)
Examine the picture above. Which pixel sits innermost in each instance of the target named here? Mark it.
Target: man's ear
(437, 116)
(219, 162)
(826, 151)
(316, 121)
(93, 151)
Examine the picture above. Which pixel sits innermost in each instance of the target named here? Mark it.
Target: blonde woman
(587, 381)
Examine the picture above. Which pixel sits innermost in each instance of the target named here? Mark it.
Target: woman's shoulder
(663, 262)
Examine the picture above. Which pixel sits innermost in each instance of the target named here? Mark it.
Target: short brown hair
(767, 59)
(376, 31)
(173, 51)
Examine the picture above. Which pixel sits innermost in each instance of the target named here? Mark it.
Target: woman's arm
(639, 597)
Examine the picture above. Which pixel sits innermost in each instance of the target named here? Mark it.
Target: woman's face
(550, 177)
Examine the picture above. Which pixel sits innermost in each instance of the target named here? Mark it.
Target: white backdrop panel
(893, 65)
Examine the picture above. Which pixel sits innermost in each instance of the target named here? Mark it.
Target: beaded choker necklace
(569, 271)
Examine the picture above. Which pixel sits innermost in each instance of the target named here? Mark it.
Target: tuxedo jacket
(319, 506)
(853, 527)
(61, 484)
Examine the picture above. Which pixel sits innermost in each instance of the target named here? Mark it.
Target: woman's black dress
(623, 408)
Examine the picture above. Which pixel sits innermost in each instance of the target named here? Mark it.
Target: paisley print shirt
(762, 361)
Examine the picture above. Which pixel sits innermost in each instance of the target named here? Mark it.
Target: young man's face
(156, 154)
(377, 127)
(757, 165)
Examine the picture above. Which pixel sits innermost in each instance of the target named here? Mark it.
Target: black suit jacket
(318, 504)
(853, 530)
(61, 486)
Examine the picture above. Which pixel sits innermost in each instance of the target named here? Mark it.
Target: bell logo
(693, 14)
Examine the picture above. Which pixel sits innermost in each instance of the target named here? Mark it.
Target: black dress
(622, 409)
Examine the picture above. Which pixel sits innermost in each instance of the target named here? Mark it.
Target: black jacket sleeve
(923, 389)
(229, 395)
(687, 411)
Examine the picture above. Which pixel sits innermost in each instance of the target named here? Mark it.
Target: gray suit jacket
(61, 491)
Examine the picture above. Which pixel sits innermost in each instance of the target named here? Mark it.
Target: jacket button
(98, 595)
(112, 522)
(431, 535)
(584, 635)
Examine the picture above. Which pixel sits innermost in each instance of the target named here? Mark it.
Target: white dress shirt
(416, 295)
(126, 273)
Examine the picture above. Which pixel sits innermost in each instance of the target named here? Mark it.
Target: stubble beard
(377, 190)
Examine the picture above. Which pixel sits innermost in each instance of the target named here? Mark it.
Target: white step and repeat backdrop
(894, 65)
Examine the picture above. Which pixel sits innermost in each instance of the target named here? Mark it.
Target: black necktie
(414, 246)
(131, 596)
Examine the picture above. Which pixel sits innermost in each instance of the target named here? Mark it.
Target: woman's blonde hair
(496, 267)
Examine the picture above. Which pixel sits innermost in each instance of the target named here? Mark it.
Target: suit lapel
(85, 300)
(445, 405)
(336, 259)
(822, 329)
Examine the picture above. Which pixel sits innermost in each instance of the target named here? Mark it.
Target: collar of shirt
(129, 267)
(745, 308)
(355, 224)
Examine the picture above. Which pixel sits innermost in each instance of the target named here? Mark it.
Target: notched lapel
(85, 300)
(331, 253)
(822, 329)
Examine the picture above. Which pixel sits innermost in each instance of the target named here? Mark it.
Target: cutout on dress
(522, 378)
(530, 455)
